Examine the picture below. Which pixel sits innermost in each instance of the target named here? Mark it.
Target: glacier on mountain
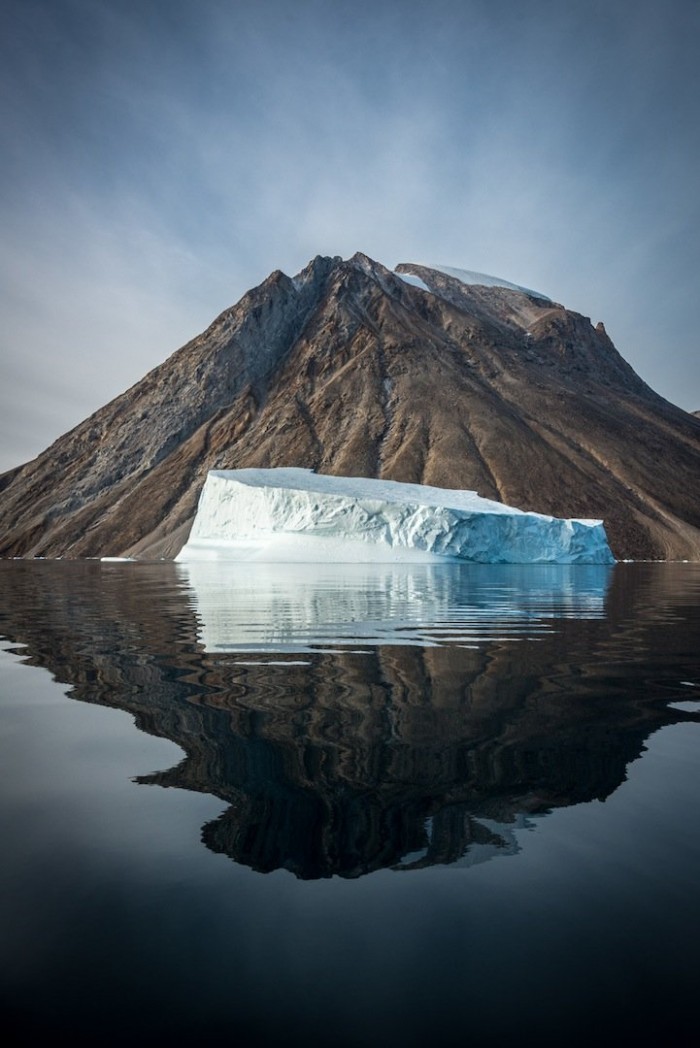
(409, 278)
(295, 515)
(469, 276)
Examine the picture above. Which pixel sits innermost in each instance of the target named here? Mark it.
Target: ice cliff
(297, 515)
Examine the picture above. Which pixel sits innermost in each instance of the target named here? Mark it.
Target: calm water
(392, 806)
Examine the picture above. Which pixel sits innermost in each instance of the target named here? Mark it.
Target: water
(388, 805)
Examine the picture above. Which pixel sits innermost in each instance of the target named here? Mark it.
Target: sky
(160, 157)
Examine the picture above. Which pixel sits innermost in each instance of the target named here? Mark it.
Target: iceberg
(296, 515)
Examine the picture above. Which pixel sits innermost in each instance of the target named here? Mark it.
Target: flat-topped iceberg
(295, 515)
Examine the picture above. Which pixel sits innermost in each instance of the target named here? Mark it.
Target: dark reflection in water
(360, 719)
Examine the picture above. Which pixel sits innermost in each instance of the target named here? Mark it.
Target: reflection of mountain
(395, 756)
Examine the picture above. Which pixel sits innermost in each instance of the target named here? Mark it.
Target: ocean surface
(349, 806)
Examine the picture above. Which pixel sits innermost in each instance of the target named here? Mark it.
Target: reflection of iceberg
(284, 515)
(295, 608)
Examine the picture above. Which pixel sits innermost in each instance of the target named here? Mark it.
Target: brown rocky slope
(350, 370)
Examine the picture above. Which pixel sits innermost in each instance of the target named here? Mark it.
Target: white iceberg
(295, 515)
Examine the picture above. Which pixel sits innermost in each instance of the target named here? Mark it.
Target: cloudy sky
(160, 157)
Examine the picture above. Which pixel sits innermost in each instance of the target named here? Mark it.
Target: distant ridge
(351, 369)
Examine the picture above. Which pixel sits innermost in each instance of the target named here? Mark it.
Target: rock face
(349, 369)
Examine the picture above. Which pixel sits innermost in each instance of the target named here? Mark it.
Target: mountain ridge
(349, 369)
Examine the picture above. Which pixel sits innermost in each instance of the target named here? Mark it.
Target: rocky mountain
(351, 369)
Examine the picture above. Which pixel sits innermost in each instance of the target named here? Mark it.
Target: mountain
(419, 375)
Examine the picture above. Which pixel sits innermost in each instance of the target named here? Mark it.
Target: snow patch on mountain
(471, 277)
(299, 516)
(409, 278)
